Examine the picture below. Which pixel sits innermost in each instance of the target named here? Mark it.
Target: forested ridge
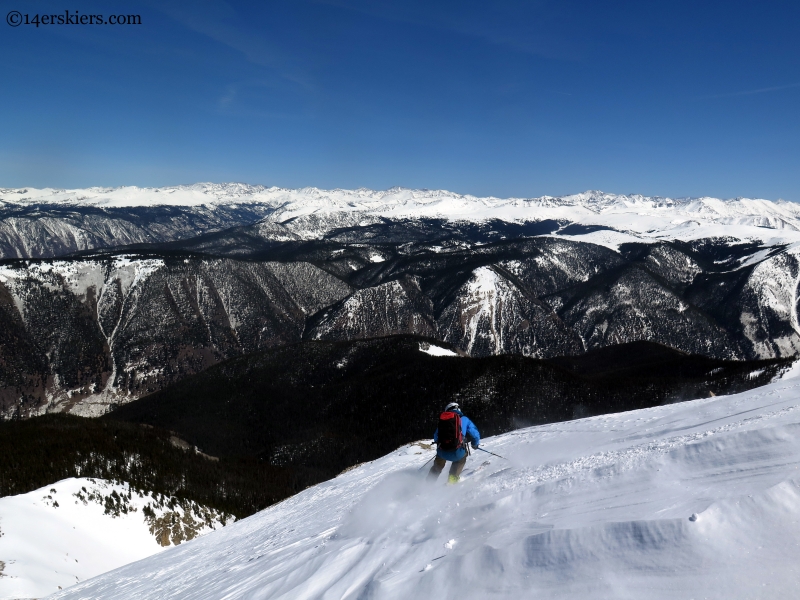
(37, 452)
(325, 406)
(253, 430)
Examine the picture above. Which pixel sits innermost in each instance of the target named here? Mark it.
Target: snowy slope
(693, 500)
(74, 529)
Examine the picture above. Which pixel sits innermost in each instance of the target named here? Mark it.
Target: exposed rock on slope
(90, 332)
(769, 322)
(490, 315)
(633, 305)
(398, 306)
(46, 230)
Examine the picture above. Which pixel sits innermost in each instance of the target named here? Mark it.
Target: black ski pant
(439, 463)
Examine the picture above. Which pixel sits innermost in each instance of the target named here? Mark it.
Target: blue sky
(489, 98)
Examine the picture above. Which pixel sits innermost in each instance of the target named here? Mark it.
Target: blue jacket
(470, 433)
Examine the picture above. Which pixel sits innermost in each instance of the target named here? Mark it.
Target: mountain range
(48, 222)
(107, 295)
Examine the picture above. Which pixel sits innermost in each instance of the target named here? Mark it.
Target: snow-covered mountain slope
(82, 334)
(698, 500)
(30, 229)
(86, 334)
(50, 222)
(77, 528)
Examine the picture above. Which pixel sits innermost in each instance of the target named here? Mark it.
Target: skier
(451, 437)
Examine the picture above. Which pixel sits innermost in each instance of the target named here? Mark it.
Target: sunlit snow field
(74, 529)
(693, 500)
(51, 538)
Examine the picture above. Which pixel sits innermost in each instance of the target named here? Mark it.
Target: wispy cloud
(264, 98)
(531, 27)
(219, 21)
(765, 90)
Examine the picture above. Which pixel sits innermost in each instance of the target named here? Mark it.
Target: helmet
(452, 406)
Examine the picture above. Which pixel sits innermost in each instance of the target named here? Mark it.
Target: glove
(474, 446)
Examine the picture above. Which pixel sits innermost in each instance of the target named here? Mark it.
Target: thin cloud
(533, 32)
(219, 21)
(766, 90)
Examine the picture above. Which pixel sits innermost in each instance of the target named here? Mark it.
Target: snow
(315, 211)
(605, 237)
(486, 294)
(52, 538)
(434, 350)
(692, 500)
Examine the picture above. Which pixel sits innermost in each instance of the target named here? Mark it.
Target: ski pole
(426, 463)
(492, 453)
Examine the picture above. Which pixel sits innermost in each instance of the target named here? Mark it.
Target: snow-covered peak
(364, 199)
(315, 211)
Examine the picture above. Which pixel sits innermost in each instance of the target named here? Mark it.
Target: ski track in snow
(693, 500)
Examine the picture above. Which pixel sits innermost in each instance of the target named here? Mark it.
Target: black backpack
(450, 436)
